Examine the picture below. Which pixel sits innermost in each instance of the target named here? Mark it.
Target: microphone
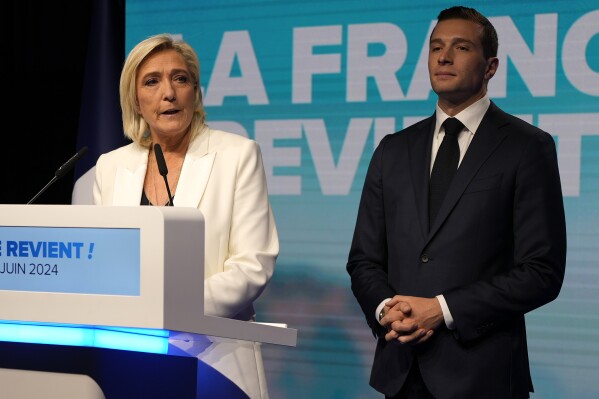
(60, 172)
(163, 170)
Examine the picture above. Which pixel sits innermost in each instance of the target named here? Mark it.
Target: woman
(219, 173)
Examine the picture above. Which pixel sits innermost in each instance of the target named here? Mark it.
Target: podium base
(110, 374)
(26, 384)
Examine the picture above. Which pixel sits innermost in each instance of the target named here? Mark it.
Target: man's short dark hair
(489, 38)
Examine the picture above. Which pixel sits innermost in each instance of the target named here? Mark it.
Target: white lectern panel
(112, 266)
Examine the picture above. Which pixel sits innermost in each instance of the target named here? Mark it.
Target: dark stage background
(47, 45)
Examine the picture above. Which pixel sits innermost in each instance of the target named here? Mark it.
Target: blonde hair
(134, 125)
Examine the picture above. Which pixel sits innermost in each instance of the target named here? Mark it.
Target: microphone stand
(60, 172)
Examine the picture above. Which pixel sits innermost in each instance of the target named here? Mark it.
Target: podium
(109, 269)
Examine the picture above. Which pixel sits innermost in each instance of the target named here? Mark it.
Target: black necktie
(445, 166)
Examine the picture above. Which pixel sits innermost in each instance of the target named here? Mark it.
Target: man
(446, 295)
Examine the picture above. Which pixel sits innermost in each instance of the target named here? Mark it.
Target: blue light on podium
(133, 339)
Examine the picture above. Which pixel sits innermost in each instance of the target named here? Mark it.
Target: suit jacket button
(424, 258)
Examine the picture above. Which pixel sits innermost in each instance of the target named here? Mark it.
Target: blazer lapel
(195, 172)
(192, 183)
(129, 180)
(487, 138)
(421, 143)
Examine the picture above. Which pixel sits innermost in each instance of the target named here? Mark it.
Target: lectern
(100, 270)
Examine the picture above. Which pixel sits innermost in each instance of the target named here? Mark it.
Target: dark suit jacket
(496, 251)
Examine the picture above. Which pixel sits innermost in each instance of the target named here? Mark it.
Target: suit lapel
(487, 138)
(421, 143)
(129, 180)
(195, 172)
(193, 180)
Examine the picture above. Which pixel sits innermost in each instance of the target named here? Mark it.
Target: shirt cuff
(446, 313)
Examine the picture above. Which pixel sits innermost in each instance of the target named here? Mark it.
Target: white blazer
(223, 176)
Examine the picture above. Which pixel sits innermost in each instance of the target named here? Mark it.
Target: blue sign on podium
(71, 260)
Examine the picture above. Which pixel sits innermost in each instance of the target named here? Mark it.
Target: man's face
(458, 69)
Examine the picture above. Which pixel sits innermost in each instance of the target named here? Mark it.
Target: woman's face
(165, 94)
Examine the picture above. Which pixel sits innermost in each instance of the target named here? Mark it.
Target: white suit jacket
(223, 176)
